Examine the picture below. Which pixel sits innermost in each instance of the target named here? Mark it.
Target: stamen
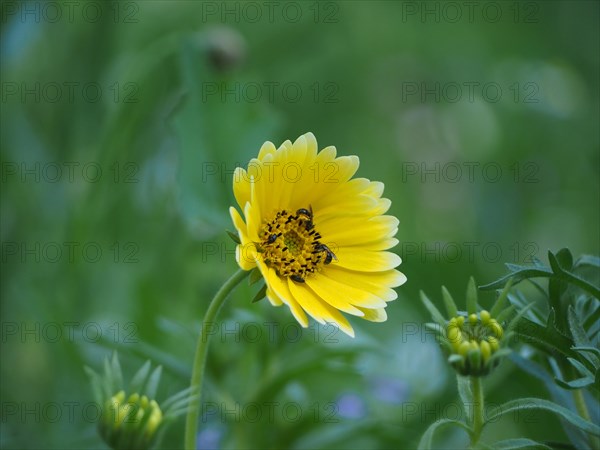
(290, 244)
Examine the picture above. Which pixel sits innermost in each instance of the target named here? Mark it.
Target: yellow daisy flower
(318, 237)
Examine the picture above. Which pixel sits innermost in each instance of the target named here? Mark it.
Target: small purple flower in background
(351, 406)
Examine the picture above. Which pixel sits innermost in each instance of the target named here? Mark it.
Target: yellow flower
(318, 237)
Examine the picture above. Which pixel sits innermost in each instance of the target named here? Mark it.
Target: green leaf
(471, 296)
(546, 338)
(564, 259)
(449, 302)
(593, 350)
(139, 378)
(510, 444)
(544, 405)
(511, 326)
(116, 371)
(427, 439)
(518, 275)
(109, 380)
(588, 260)
(234, 237)
(506, 313)
(153, 381)
(502, 300)
(581, 368)
(435, 313)
(577, 332)
(579, 383)
(96, 385)
(558, 395)
(255, 276)
(260, 294)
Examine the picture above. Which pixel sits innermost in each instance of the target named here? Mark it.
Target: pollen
(291, 245)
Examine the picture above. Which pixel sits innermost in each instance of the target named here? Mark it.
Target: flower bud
(485, 317)
(134, 420)
(470, 340)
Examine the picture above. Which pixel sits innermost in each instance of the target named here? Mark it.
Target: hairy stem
(478, 404)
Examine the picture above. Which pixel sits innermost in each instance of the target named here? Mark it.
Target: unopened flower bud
(485, 317)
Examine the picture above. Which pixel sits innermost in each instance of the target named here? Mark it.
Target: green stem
(191, 421)
(478, 405)
(583, 412)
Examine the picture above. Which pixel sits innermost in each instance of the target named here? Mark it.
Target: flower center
(291, 245)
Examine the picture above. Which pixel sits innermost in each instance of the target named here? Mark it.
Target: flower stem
(191, 421)
(477, 390)
(583, 412)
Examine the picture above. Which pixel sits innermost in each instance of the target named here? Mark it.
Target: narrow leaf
(153, 382)
(577, 332)
(510, 444)
(449, 302)
(260, 294)
(588, 260)
(116, 371)
(471, 296)
(435, 313)
(255, 276)
(234, 237)
(139, 378)
(502, 300)
(427, 440)
(544, 405)
(579, 383)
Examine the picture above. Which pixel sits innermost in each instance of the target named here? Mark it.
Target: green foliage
(159, 214)
(567, 340)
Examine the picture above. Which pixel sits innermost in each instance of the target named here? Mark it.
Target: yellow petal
(342, 296)
(346, 232)
(318, 309)
(375, 315)
(280, 288)
(378, 283)
(245, 255)
(365, 260)
(241, 186)
(267, 149)
(375, 189)
(273, 298)
(238, 222)
(326, 290)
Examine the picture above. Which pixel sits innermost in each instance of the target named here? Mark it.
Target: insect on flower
(288, 226)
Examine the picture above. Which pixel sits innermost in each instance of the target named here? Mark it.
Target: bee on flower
(318, 237)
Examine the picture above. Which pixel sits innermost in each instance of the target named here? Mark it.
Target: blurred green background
(122, 123)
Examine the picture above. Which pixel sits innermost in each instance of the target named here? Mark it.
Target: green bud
(464, 348)
(454, 335)
(496, 328)
(133, 421)
(469, 341)
(486, 351)
(493, 343)
(485, 317)
(474, 357)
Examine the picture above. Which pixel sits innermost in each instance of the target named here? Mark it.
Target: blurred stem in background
(582, 409)
(191, 423)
